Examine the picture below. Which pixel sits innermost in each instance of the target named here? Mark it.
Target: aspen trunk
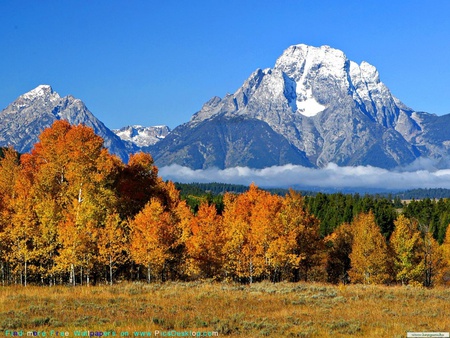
(148, 274)
(251, 271)
(110, 271)
(25, 273)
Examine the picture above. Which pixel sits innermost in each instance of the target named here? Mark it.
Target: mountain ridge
(23, 120)
(313, 108)
(326, 106)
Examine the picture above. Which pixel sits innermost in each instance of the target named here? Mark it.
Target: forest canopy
(72, 213)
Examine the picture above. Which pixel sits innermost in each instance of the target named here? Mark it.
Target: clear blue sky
(156, 62)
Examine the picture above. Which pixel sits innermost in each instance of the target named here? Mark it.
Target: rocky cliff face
(326, 107)
(23, 120)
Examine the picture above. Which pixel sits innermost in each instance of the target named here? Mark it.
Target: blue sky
(157, 62)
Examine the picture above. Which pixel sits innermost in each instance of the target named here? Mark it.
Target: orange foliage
(153, 235)
(249, 221)
(204, 246)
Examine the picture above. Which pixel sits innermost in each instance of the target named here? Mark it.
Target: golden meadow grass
(261, 309)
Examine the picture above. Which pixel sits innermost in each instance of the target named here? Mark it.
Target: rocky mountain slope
(324, 107)
(24, 119)
(314, 107)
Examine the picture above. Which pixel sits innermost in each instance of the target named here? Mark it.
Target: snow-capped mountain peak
(142, 136)
(327, 107)
(41, 92)
(23, 120)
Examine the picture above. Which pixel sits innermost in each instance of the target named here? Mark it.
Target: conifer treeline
(72, 213)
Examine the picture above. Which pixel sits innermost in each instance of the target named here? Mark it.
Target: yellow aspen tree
(433, 261)
(22, 232)
(152, 237)
(408, 260)
(67, 258)
(339, 247)
(9, 168)
(369, 256)
(46, 168)
(181, 217)
(445, 249)
(112, 244)
(48, 213)
(78, 249)
(296, 246)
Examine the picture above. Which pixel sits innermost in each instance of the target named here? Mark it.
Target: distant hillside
(435, 193)
(221, 188)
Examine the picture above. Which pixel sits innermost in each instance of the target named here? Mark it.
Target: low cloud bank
(418, 175)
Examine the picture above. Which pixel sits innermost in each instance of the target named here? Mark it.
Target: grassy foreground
(262, 309)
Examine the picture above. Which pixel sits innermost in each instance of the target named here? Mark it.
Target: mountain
(313, 107)
(226, 142)
(142, 136)
(23, 120)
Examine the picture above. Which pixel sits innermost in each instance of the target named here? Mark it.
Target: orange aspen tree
(73, 177)
(248, 230)
(181, 216)
(369, 257)
(204, 246)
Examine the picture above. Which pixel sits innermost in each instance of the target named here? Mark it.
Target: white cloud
(331, 176)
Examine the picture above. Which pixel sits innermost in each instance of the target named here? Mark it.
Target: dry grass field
(233, 310)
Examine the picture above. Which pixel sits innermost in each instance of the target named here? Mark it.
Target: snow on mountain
(315, 107)
(22, 121)
(142, 136)
(326, 106)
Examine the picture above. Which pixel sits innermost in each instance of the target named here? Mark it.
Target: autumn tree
(112, 243)
(248, 229)
(295, 244)
(339, 248)
(153, 236)
(204, 245)
(406, 244)
(9, 168)
(369, 256)
(22, 231)
(433, 260)
(73, 179)
(137, 183)
(445, 247)
(433, 256)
